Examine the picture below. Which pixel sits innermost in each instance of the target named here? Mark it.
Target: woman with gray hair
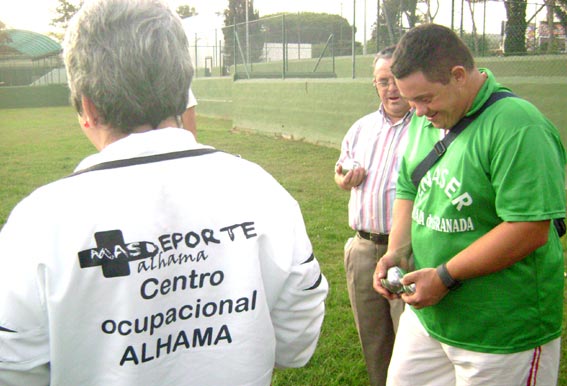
(128, 66)
(160, 261)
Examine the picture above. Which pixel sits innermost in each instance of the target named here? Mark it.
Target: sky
(35, 15)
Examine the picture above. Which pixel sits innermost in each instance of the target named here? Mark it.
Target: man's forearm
(399, 242)
(500, 248)
(399, 245)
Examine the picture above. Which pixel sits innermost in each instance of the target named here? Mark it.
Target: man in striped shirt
(368, 167)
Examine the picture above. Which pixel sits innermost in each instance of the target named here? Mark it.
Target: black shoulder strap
(442, 145)
(145, 160)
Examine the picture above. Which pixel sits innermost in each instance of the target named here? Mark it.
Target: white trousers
(420, 360)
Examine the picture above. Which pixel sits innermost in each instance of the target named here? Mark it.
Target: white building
(274, 51)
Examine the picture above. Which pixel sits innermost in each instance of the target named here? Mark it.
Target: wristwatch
(447, 279)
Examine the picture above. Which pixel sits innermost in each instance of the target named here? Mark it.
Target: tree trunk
(515, 43)
(550, 6)
(474, 30)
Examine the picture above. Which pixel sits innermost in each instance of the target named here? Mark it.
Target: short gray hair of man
(131, 58)
(385, 53)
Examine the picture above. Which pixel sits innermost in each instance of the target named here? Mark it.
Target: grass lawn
(41, 145)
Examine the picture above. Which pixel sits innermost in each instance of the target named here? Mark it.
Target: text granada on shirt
(440, 224)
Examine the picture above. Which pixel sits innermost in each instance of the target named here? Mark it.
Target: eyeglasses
(384, 83)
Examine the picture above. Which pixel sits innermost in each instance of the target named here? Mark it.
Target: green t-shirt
(507, 165)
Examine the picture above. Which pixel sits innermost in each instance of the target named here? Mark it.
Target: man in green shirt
(487, 307)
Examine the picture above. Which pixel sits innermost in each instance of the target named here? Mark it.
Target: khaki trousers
(376, 318)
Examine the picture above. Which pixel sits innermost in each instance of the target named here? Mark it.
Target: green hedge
(214, 97)
(34, 96)
(321, 111)
(525, 66)
(318, 111)
(549, 97)
(314, 110)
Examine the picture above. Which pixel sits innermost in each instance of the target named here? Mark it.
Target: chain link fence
(272, 47)
(282, 46)
(17, 71)
(319, 45)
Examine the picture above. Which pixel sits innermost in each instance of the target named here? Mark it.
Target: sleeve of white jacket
(298, 313)
(24, 347)
(191, 100)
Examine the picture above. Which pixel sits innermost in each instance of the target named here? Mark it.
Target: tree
(4, 40)
(235, 23)
(474, 29)
(391, 20)
(4, 37)
(409, 9)
(550, 5)
(561, 13)
(515, 42)
(309, 27)
(430, 14)
(186, 11)
(65, 11)
(554, 8)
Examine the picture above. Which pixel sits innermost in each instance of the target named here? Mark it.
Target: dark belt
(377, 238)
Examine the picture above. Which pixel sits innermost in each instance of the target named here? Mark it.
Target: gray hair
(385, 53)
(131, 59)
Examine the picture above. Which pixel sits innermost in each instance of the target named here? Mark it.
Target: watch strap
(446, 278)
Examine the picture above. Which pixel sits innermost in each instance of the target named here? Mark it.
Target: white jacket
(194, 271)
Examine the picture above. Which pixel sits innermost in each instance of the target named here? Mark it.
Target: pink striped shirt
(378, 146)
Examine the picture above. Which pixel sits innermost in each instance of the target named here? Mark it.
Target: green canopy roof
(31, 44)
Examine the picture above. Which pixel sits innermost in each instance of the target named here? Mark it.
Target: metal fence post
(284, 44)
(353, 38)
